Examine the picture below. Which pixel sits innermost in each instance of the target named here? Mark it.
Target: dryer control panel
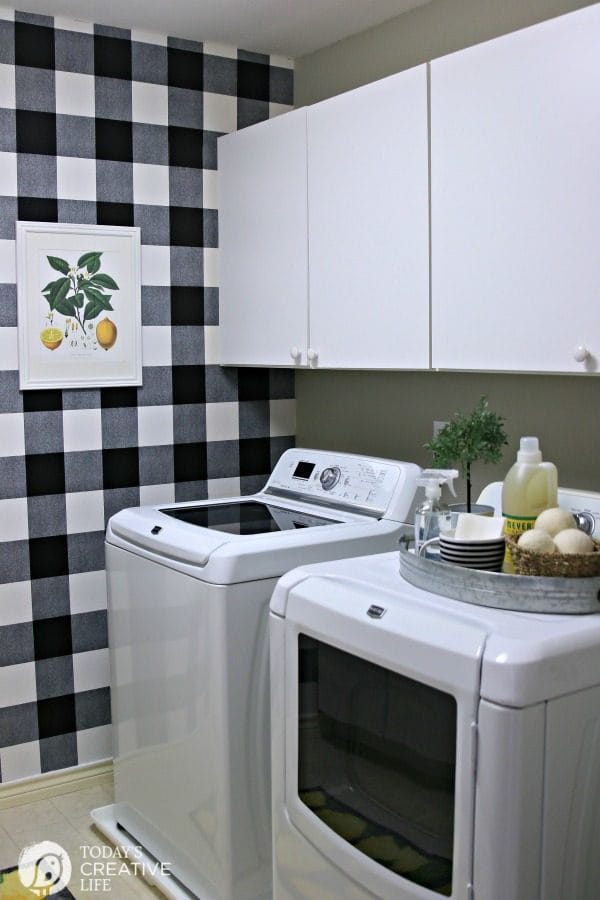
(585, 505)
(378, 487)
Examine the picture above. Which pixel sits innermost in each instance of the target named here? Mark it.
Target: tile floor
(65, 820)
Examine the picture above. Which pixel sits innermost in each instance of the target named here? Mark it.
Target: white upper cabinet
(324, 239)
(515, 192)
(368, 226)
(263, 242)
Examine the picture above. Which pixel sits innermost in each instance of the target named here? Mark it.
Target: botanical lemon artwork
(79, 296)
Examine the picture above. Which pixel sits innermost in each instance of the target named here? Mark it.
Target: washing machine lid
(249, 516)
(301, 535)
(282, 527)
(192, 533)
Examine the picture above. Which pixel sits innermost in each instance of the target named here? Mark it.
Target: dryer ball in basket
(537, 540)
(572, 540)
(554, 520)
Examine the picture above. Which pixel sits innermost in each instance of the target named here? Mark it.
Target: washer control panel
(343, 480)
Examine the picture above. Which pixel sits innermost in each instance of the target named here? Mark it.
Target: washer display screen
(245, 517)
(304, 470)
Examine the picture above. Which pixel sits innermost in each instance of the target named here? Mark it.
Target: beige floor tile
(9, 851)
(4, 836)
(61, 833)
(76, 805)
(42, 812)
(88, 834)
(81, 822)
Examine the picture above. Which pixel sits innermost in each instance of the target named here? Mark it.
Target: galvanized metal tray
(523, 593)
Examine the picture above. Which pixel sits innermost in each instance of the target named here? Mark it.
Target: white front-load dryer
(429, 747)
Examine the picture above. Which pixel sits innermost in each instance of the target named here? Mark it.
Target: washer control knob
(581, 353)
(312, 356)
(330, 477)
(295, 352)
(585, 521)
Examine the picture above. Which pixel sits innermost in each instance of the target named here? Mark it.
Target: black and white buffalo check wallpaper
(101, 125)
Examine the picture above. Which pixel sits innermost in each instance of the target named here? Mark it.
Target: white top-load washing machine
(423, 746)
(188, 592)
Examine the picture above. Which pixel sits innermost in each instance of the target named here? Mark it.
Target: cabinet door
(263, 242)
(368, 226)
(515, 150)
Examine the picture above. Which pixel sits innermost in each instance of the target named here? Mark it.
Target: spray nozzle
(433, 480)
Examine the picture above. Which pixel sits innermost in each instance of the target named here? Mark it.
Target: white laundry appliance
(425, 746)
(188, 599)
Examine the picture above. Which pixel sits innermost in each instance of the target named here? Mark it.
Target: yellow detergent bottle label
(516, 525)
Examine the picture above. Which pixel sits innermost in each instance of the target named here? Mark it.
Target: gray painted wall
(391, 414)
(425, 33)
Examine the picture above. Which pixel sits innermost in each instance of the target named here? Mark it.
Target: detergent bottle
(529, 488)
(433, 515)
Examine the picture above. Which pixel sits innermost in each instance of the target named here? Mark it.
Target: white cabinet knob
(294, 352)
(312, 356)
(581, 353)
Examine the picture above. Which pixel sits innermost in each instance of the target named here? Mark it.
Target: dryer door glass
(376, 761)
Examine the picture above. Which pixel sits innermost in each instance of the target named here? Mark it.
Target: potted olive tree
(467, 439)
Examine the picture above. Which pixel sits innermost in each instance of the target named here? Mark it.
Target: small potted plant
(466, 439)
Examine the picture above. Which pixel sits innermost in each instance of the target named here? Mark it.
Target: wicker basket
(563, 565)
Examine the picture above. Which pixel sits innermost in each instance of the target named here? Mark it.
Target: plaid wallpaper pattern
(100, 125)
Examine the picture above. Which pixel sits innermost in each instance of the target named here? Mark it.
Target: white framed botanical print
(79, 305)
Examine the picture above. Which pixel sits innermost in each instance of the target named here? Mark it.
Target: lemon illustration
(106, 333)
(51, 338)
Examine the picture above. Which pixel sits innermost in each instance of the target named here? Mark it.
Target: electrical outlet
(437, 427)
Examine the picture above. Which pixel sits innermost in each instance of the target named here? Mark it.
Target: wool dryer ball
(554, 520)
(572, 540)
(537, 540)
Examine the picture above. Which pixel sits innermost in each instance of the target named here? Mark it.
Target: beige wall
(391, 414)
(425, 33)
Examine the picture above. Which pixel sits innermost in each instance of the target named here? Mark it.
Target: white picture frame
(78, 305)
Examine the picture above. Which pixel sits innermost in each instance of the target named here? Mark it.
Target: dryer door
(381, 700)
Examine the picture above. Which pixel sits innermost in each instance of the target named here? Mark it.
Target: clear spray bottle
(433, 515)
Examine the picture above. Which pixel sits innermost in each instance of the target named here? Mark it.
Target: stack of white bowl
(476, 542)
(485, 554)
